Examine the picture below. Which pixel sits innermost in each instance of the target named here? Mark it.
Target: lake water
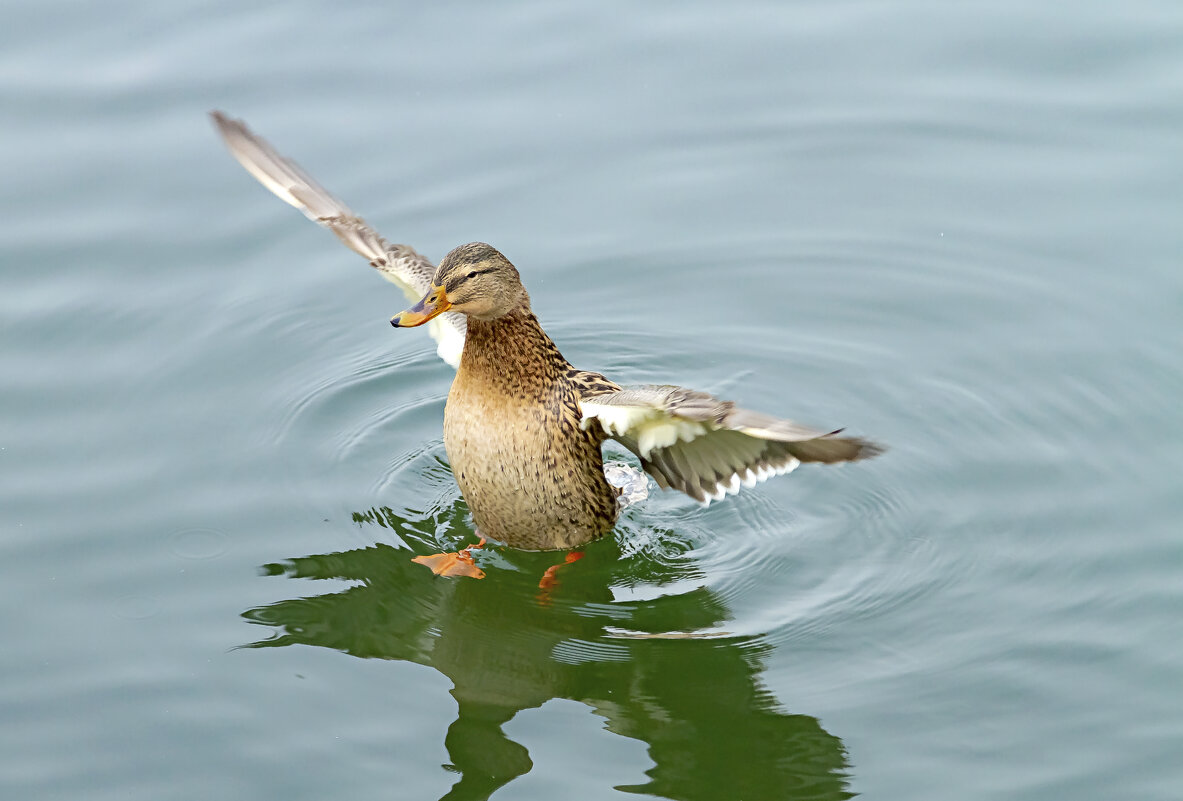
(954, 228)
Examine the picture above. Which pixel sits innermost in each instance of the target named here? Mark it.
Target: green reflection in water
(647, 667)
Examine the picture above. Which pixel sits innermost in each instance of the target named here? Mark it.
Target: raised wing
(399, 264)
(706, 447)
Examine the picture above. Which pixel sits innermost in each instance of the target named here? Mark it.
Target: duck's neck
(512, 351)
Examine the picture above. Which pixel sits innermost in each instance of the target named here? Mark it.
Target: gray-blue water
(956, 228)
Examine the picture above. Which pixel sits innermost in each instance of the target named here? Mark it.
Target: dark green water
(957, 229)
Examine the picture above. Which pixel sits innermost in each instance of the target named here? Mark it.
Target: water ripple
(825, 547)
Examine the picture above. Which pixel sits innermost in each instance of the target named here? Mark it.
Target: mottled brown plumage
(532, 476)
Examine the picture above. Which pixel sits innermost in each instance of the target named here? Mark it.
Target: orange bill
(434, 303)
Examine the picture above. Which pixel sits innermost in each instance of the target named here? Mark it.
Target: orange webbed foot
(459, 563)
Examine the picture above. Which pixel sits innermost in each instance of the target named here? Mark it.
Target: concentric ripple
(794, 557)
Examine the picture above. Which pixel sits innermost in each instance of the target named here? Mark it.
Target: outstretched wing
(706, 447)
(399, 264)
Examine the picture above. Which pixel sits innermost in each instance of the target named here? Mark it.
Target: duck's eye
(471, 274)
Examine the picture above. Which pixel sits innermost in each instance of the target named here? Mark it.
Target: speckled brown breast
(531, 476)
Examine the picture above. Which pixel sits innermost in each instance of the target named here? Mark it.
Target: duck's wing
(706, 447)
(399, 264)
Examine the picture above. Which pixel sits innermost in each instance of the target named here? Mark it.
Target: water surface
(953, 229)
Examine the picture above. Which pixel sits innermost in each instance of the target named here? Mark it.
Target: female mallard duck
(523, 428)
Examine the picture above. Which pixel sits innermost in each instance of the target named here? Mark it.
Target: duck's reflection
(712, 729)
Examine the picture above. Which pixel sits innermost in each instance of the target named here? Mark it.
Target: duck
(525, 430)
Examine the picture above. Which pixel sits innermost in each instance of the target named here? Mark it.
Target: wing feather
(706, 447)
(399, 264)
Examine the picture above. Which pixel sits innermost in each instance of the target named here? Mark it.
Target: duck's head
(474, 279)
